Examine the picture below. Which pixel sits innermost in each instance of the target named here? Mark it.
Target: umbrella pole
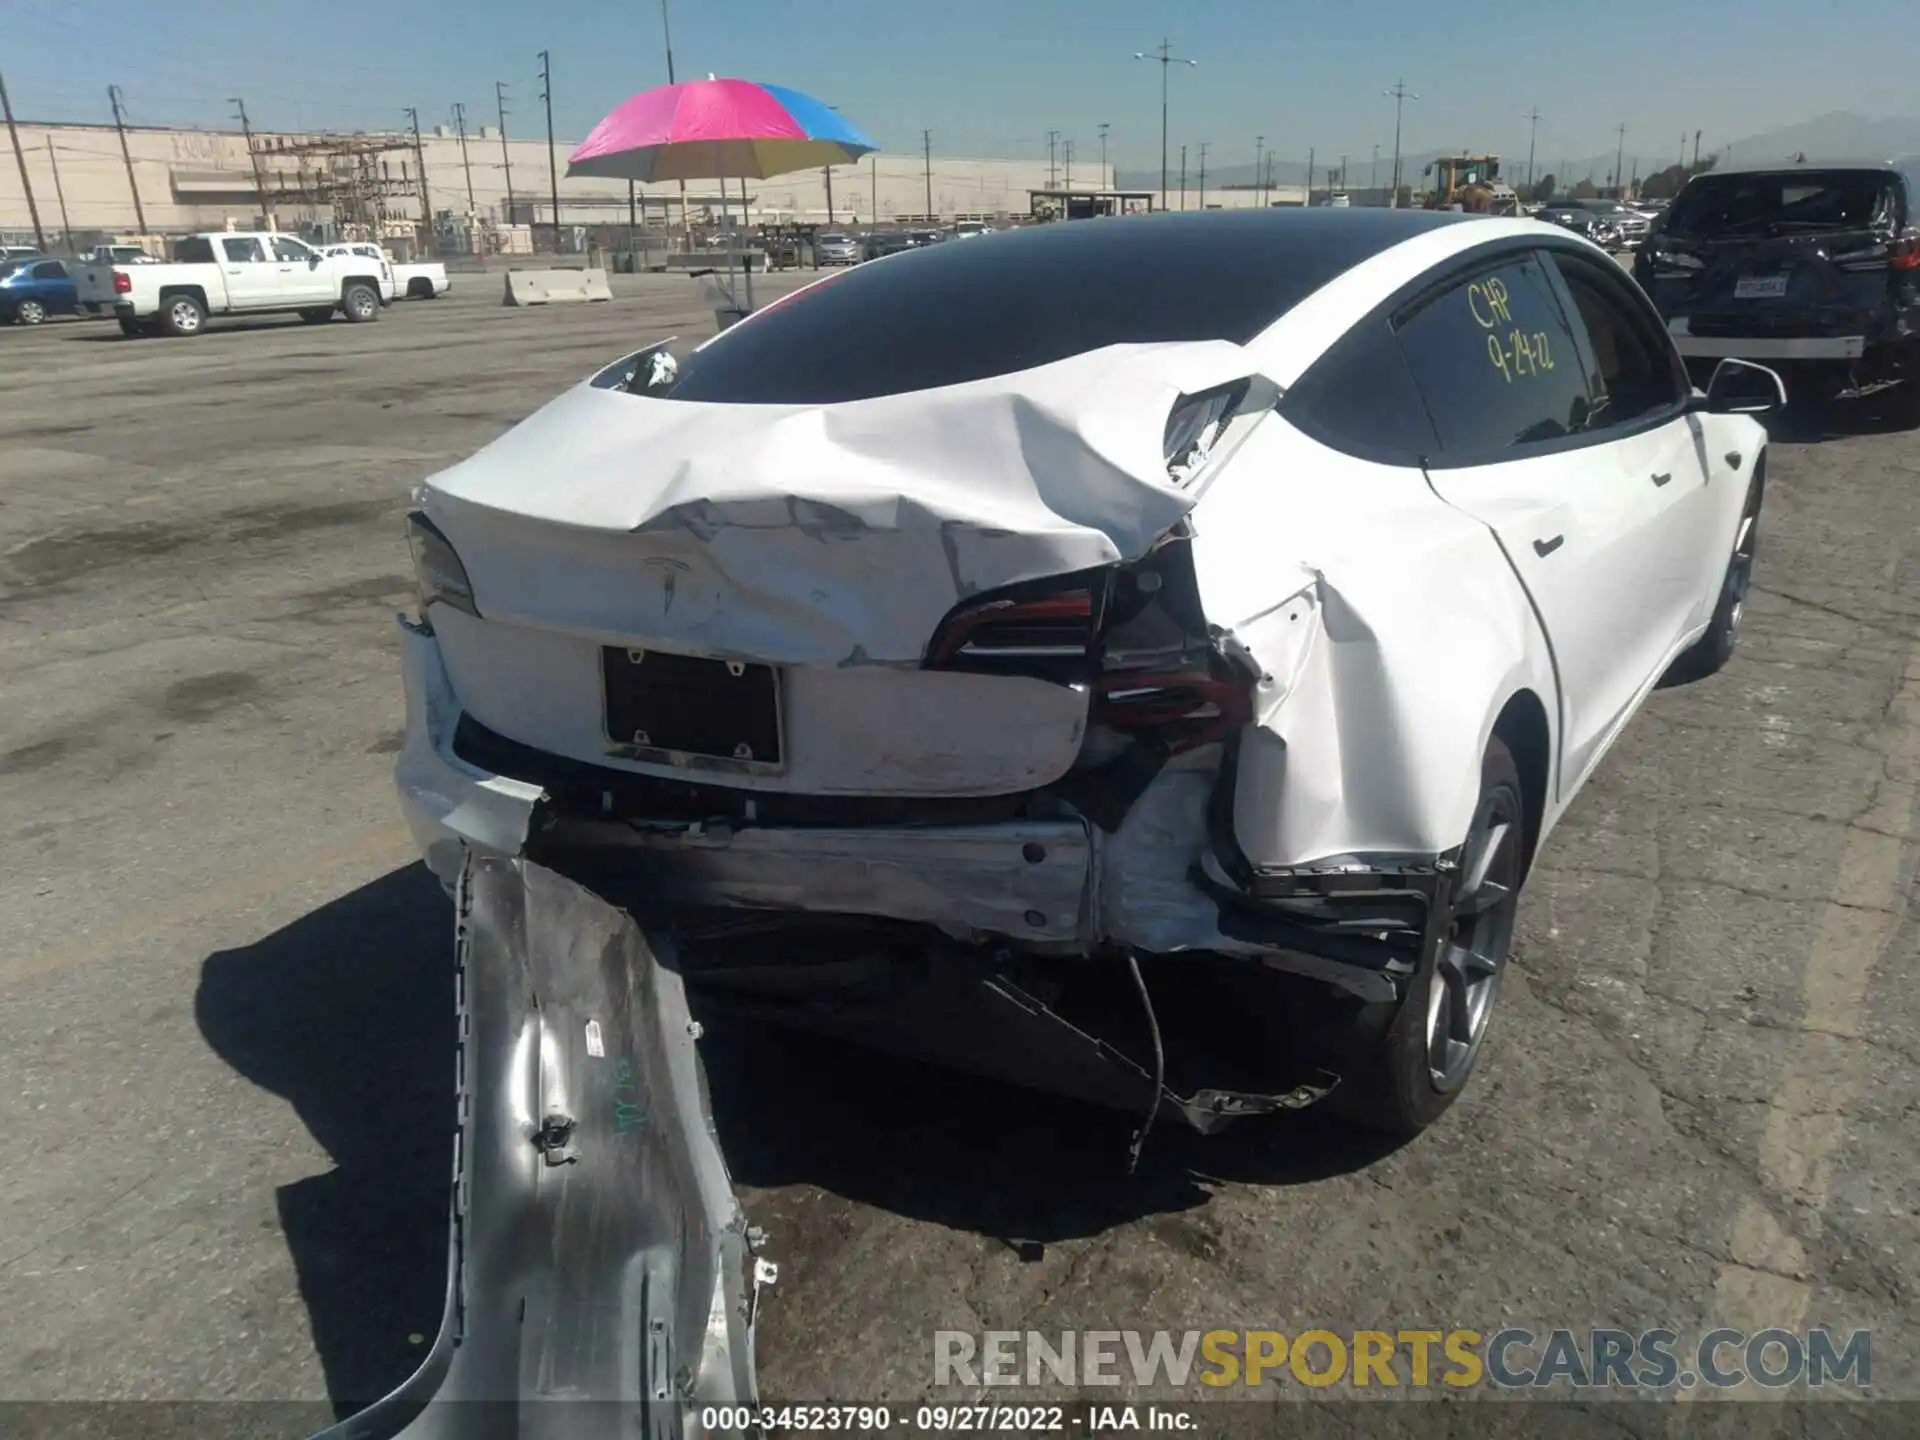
(747, 261)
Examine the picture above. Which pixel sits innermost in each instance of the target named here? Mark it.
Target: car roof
(1788, 162)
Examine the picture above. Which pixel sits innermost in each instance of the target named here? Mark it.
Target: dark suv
(1813, 269)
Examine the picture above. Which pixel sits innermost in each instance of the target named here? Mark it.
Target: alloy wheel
(1479, 937)
(31, 312)
(185, 315)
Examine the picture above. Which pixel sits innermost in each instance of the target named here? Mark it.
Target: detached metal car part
(601, 1282)
(1049, 657)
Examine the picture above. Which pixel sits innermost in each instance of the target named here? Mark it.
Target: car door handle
(1544, 548)
(1661, 478)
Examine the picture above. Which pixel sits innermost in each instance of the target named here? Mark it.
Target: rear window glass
(948, 314)
(194, 250)
(1795, 200)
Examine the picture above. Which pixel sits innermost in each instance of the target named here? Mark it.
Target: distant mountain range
(1840, 134)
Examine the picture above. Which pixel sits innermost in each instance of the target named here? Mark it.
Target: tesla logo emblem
(669, 573)
(685, 594)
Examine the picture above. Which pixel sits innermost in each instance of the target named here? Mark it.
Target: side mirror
(1740, 387)
(313, 261)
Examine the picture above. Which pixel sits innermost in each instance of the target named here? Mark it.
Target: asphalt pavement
(224, 1029)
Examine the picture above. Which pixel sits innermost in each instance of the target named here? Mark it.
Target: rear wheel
(30, 312)
(1708, 654)
(360, 303)
(182, 315)
(1407, 1063)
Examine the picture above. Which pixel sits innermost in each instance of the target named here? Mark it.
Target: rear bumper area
(1027, 870)
(1767, 347)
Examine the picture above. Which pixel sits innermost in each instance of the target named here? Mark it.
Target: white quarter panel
(855, 730)
(1392, 631)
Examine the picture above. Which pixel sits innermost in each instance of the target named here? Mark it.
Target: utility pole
(553, 165)
(1533, 131)
(1309, 175)
(1270, 186)
(1373, 175)
(1696, 148)
(1400, 95)
(253, 154)
(1183, 177)
(426, 202)
(120, 124)
(1259, 174)
(826, 172)
(1619, 156)
(1343, 175)
(926, 152)
(66, 225)
(39, 237)
(666, 31)
(1203, 176)
(875, 175)
(1163, 52)
(460, 124)
(1053, 140)
(506, 158)
(1106, 179)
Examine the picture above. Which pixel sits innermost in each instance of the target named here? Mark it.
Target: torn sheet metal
(820, 535)
(601, 1283)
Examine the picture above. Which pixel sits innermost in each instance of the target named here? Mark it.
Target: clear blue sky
(993, 76)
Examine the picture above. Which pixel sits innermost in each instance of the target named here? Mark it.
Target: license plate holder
(688, 709)
(1760, 287)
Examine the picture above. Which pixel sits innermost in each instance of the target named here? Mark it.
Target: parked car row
(214, 274)
(841, 247)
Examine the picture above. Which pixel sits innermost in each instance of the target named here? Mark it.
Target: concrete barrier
(556, 287)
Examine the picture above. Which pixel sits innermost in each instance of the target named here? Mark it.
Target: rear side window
(1360, 398)
(1630, 367)
(194, 250)
(49, 270)
(1495, 361)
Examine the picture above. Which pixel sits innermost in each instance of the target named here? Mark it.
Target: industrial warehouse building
(176, 181)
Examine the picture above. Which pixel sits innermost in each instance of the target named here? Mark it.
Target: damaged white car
(1064, 657)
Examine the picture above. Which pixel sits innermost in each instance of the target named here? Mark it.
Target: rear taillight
(1049, 625)
(122, 283)
(1183, 709)
(1904, 253)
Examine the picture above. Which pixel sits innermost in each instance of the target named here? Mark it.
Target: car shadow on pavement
(347, 1013)
(979, 1155)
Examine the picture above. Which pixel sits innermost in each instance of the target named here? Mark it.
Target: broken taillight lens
(437, 567)
(1022, 627)
(1184, 709)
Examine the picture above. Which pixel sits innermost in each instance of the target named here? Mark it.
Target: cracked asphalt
(224, 982)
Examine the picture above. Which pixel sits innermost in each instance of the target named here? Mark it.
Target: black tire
(1404, 1063)
(182, 315)
(360, 303)
(131, 328)
(317, 316)
(1710, 653)
(30, 312)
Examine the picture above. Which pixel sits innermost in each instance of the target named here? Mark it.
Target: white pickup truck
(412, 280)
(233, 272)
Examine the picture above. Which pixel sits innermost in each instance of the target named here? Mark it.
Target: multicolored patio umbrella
(717, 130)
